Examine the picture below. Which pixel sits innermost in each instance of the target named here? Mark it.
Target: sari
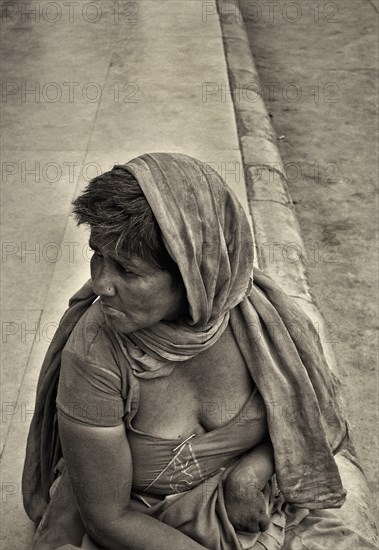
(207, 234)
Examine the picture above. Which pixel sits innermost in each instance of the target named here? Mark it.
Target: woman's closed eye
(124, 269)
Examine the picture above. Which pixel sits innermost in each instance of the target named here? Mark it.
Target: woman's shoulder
(91, 338)
(92, 386)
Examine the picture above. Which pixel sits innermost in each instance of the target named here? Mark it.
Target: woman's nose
(102, 283)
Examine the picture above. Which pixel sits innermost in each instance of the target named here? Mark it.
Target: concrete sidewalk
(85, 90)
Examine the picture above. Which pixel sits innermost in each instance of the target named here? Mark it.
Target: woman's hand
(246, 505)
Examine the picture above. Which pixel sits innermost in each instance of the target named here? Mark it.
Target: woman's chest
(200, 395)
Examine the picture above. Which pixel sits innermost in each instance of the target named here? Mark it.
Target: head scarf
(206, 232)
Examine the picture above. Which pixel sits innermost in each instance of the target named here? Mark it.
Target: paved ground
(318, 67)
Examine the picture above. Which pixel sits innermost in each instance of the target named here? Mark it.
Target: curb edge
(275, 219)
(271, 208)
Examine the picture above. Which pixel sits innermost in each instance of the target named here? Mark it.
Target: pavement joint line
(286, 204)
(373, 5)
(5, 439)
(97, 108)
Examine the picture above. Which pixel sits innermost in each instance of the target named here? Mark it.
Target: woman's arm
(245, 502)
(99, 464)
(257, 467)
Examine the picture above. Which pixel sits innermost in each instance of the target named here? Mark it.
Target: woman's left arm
(257, 466)
(243, 489)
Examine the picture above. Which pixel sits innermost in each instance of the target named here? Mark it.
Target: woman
(187, 407)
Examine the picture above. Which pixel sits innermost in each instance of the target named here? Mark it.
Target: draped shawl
(206, 232)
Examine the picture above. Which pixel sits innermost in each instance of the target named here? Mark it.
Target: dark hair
(118, 213)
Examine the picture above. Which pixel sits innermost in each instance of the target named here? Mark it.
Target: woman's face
(134, 294)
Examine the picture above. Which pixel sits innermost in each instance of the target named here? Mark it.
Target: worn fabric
(207, 234)
(43, 450)
(200, 513)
